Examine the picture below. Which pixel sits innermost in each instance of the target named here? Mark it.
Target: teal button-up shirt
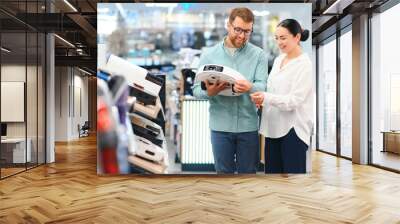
(235, 113)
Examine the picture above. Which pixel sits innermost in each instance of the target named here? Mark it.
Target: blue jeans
(235, 151)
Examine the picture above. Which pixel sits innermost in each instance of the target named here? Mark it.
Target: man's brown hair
(244, 13)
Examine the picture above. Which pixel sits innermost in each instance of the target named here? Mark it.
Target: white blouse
(288, 102)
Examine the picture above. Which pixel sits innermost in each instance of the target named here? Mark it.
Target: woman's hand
(242, 86)
(257, 98)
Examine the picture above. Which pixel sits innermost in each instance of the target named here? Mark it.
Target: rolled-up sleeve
(261, 74)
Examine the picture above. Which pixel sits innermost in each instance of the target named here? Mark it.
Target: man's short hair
(244, 13)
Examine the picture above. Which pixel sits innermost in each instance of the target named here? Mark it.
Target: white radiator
(196, 141)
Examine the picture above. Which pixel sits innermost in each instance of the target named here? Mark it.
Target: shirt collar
(300, 57)
(294, 60)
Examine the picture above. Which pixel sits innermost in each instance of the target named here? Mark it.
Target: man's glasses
(238, 31)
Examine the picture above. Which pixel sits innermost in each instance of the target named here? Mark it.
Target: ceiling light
(338, 6)
(86, 72)
(5, 49)
(64, 40)
(261, 13)
(70, 5)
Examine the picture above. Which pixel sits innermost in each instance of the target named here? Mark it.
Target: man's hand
(214, 89)
(257, 98)
(242, 86)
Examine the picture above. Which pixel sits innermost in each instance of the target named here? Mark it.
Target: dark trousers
(235, 151)
(286, 154)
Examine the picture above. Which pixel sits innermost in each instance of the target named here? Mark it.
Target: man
(233, 119)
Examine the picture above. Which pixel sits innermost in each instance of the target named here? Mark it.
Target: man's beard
(235, 42)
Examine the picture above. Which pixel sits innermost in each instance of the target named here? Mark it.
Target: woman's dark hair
(294, 28)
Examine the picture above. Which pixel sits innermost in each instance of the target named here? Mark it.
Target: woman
(288, 103)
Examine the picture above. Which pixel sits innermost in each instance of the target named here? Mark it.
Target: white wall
(80, 84)
(61, 103)
(15, 73)
(70, 83)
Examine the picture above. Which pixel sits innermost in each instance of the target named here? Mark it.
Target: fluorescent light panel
(331, 7)
(196, 143)
(70, 5)
(86, 72)
(338, 6)
(5, 50)
(65, 41)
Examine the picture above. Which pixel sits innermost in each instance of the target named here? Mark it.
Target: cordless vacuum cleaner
(219, 73)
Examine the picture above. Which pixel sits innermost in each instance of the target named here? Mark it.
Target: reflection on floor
(11, 169)
(387, 159)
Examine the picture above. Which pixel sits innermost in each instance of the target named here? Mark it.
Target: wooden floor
(69, 191)
(10, 171)
(5, 172)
